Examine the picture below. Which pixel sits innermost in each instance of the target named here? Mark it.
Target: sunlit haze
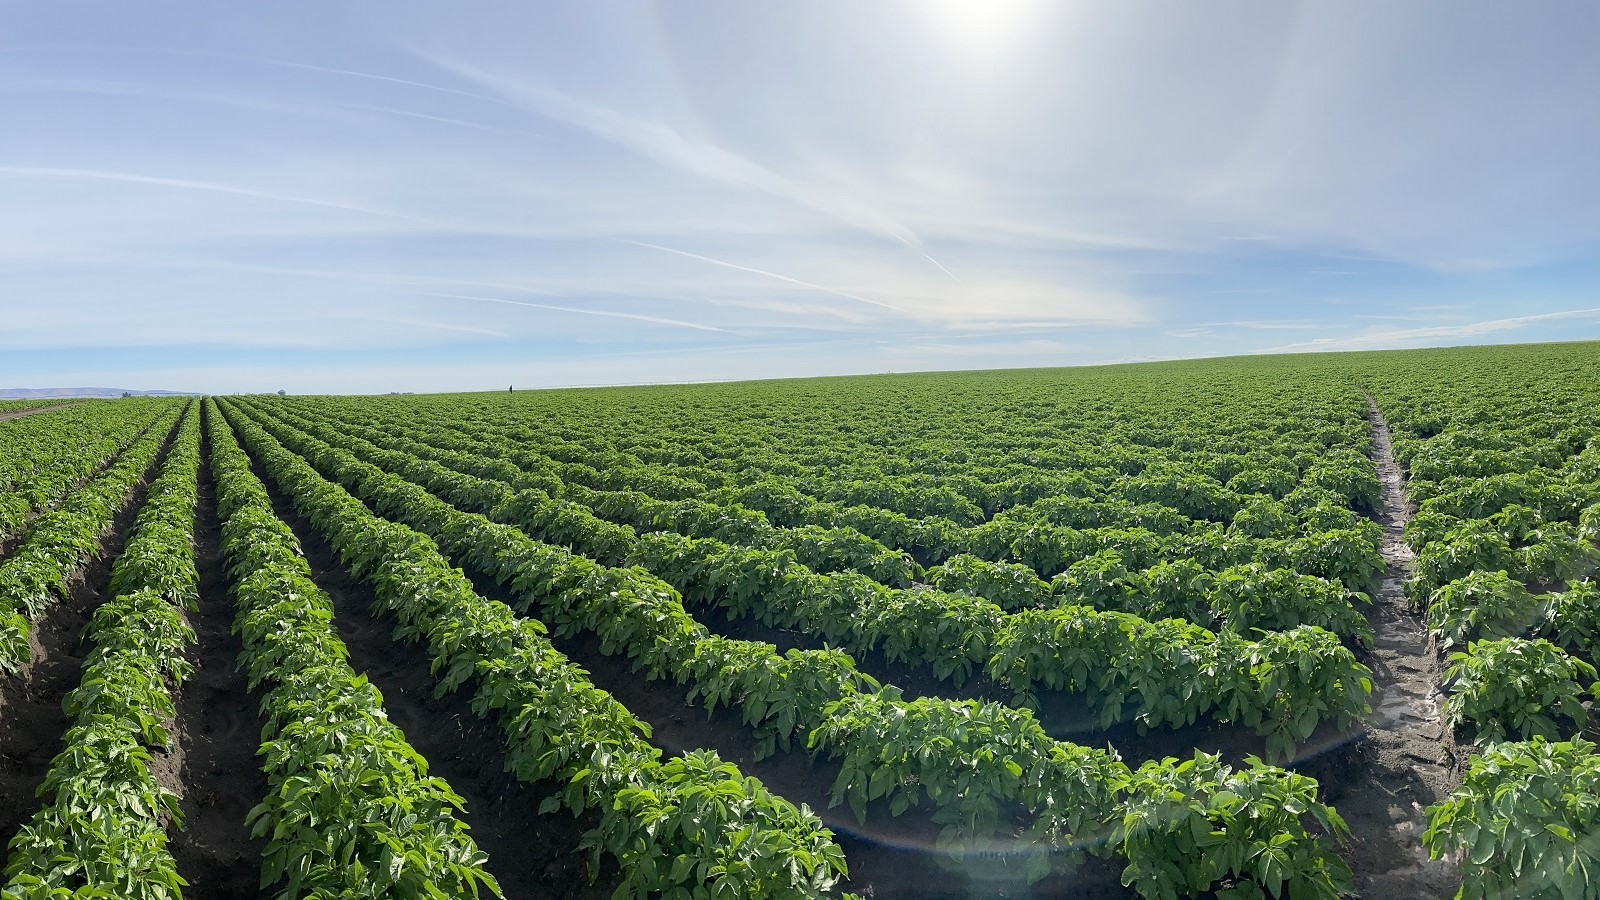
(367, 197)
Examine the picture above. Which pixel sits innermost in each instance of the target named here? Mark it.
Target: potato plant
(1516, 688)
(1247, 833)
(1525, 822)
(636, 615)
(61, 540)
(100, 830)
(954, 635)
(44, 457)
(743, 840)
(1481, 604)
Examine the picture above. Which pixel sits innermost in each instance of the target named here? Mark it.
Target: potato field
(1292, 626)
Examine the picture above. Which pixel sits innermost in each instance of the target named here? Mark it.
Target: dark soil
(31, 721)
(532, 855)
(1406, 758)
(217, 733)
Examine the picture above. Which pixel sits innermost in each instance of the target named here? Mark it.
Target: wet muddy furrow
(1406, 752)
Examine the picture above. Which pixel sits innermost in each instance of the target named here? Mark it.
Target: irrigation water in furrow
(1406, 746)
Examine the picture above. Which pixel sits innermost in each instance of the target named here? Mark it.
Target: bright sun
(981, 26)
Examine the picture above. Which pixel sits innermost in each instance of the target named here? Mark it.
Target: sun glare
(981, 26)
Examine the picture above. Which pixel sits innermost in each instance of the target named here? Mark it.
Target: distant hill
(46, 393)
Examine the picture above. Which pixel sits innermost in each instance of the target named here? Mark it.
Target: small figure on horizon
(512, 389)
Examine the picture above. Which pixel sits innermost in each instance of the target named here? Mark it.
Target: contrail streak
(943, 269)
(289, 105)
(586, 312)
(330, 70)
(188, 184)
(784, 278)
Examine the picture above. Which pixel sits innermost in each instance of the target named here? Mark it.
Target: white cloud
(1382, 340)
(763, 272)
(670, 147)
(1202, 329)
(1133, 173)
(603, 313)
(193, 185)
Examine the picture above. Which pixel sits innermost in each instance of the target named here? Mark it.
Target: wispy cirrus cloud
(631, 185)
(189, 184)
(438, 326)
(585, 311)
(773, 275)
(1404, 337)
(1203, 329)
(671, 147)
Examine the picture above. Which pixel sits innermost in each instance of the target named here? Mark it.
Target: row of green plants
(1518, 661)
(992, 442)
(7, 406)
(1313, 526)
(101, 830)
(1524, 822)
(1534, 547)
(1345, 551)
(58, 543)
(1165, 672)
(1258, 586)
(44, 457)
(350, 809)
(1346, 557)
(991, 439)
(691, 826)
(1503, 451)
(1507, 540)
(990, 774)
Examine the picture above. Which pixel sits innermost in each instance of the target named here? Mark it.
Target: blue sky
(364, 197)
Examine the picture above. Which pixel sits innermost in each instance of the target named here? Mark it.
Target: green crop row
(856, 448)
(58, 543)
(1257, 587)
(7, 406)
(981, 766)
(42, 458)
(1314, 531)
(1283, 684)
(689, 826)
(1503, 451)
(351, 810)
(101, 830)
